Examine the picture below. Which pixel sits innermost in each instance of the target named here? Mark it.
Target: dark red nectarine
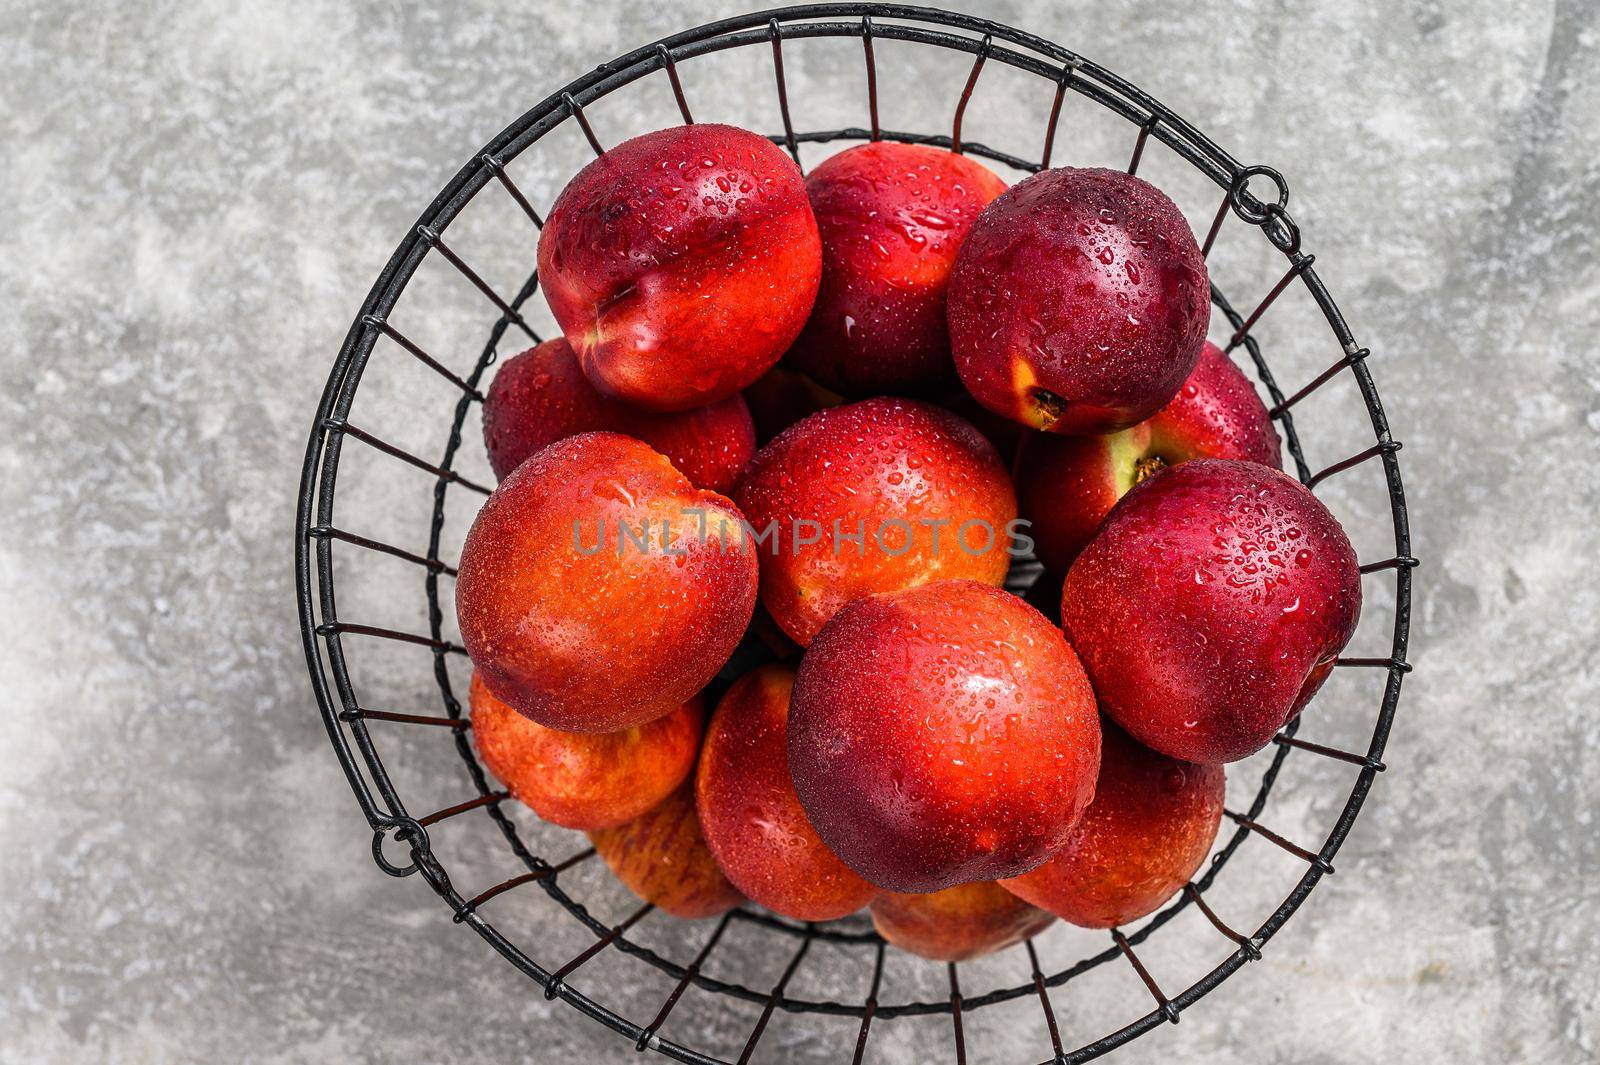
(681, 264)
(958, 923)
(1066, 485)
(752, 818)
(588, 598)
(1078, 302)
(892, 217)
(1211, 606)
(1151, 824)
(872, 497)
(585, 779)
(662, 857)
(541, 396)
(942, 735)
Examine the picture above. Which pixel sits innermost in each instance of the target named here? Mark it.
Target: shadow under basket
(404, 843)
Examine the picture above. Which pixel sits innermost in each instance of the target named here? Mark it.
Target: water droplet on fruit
(615, 490)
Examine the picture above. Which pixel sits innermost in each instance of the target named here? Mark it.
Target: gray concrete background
(200, 195)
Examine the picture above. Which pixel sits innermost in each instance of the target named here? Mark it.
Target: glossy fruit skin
(1150, 826)
(681, 264)
(892, 217)
(1211, 606)
(589, 635)
(958, 923)
(662, 857)
(942, 735)
(1217, 414)
(860, 465)
(541, 396)
(752, 819)
(1066, 485)
(585, 780)
(1079, 302)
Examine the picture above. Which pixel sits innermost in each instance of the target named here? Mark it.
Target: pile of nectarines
(823, 416)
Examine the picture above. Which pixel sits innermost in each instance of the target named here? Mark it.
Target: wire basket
(335, 644)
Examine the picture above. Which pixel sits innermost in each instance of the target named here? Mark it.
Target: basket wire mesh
(328, 635)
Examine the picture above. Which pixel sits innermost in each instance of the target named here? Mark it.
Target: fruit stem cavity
(1048, 407)
(1146, 467)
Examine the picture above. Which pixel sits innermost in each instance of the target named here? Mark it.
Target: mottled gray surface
(201, 194)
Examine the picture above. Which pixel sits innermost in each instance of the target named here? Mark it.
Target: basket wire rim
(323, 447)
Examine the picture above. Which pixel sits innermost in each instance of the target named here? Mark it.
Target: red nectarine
(1079, 302)
(541, 396)
(941, 735)
(958, 923)
(681, 264)
(891, 217)
(588, 598)
(662, 857)
(750, 815)
(1151, 824)
(1210, 607)
(585, 779)
(875, 496)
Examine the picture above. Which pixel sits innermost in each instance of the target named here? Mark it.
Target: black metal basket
(327, 635)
